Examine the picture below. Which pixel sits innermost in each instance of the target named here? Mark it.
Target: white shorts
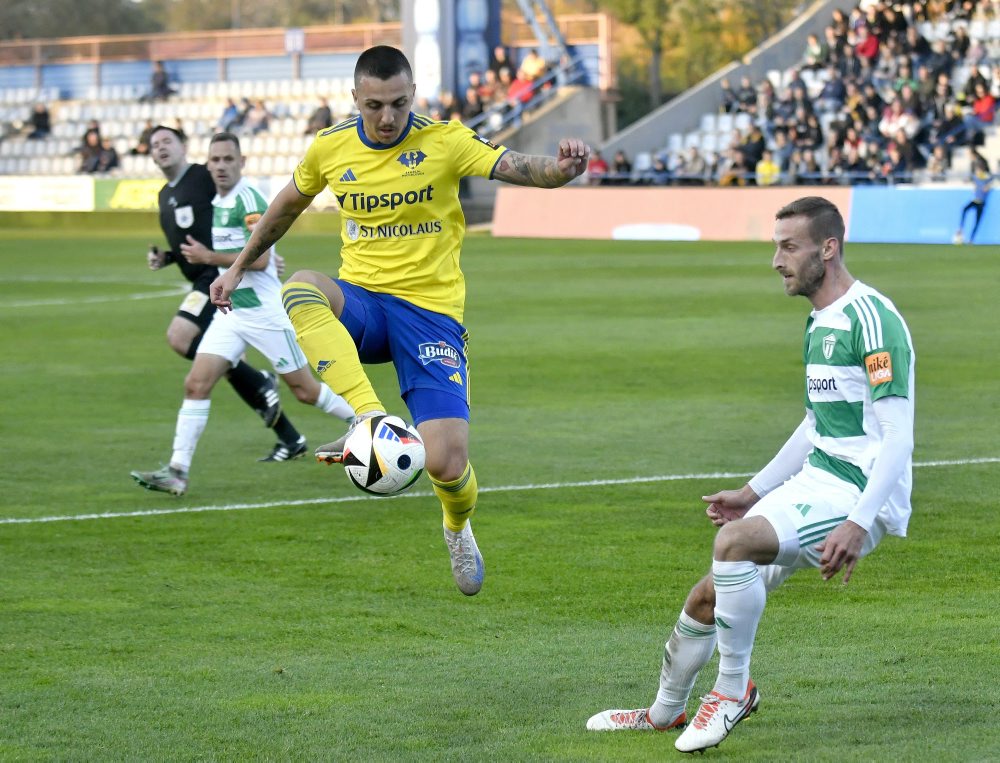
(803, 511)
(227, 337)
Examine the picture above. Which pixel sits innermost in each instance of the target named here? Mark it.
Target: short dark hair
(177, 133)
(825, 220)
(382, 62)
(223, 137)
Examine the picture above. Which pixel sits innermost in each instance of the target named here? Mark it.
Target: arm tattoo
(537, 171)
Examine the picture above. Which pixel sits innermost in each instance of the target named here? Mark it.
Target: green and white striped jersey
(857, 350)
(257, 301)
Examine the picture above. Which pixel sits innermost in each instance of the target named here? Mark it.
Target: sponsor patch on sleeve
(251, 220)
(879, 365)
(485, 141)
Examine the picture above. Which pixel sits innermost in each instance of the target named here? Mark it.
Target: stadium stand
(893, 94)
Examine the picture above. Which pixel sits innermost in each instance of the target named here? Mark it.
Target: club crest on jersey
(439, 352)
(829, 341)
(410, 159)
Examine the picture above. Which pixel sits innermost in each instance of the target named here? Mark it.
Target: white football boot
(466, 562)
(631, 720)
(715, 719)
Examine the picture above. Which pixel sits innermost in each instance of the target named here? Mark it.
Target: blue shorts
(428, 350)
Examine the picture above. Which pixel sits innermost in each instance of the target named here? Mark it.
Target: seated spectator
(520, 92)
(90, 152)
(597, 169)
(500, 59)
(948, 130)
(230, 118)
(732, 169)
(896, 117)
(694, 168)
(809, 172)
(939, 61)
(782, 149)
(831, 97)
(984, 107)
(257, 119)
(866, 46)
(938, 165)
(816, 53)
(855, 169)
(730, 103)
(746, 95)
(621, 169)
(107, 157)
(895, 168)
(40, 122)
(473, 105)
(752, 146)
(141, 147)
(532, 66)
(659, 173)
(767, 172)
(159, 86)
(321, 118)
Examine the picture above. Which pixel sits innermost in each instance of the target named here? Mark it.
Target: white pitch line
(497, 489)
(172, 292)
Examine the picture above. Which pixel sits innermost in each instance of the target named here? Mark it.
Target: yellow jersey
(402, 225)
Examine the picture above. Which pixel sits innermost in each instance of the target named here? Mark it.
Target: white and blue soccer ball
(383, 455)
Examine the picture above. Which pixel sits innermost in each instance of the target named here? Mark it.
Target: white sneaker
(630, 720)
(715, 719)
(466, 562)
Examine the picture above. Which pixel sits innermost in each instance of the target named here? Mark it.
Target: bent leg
(314, 303)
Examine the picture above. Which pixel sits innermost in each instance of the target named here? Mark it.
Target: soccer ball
(383, 455)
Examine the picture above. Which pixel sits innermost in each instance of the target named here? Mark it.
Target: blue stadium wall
(917, 215)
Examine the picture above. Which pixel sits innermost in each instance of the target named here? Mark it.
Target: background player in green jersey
(258, 321)
(185, 207)
(840, 482)
(400, 296)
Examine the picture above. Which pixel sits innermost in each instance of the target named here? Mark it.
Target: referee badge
(184, 217)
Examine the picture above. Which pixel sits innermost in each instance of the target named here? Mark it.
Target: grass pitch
(276, 613)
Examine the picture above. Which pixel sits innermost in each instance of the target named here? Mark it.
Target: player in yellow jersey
(400, 294)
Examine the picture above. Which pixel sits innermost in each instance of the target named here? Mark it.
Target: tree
(650, 19)
(32, 19)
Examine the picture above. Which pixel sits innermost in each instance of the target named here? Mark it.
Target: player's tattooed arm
(537, 171)
(275, 222)
(544, 171)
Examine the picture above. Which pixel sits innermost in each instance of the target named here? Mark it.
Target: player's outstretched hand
(222, 288)
(572, 157)
(842, 548)
(727, 505)
(196, 252)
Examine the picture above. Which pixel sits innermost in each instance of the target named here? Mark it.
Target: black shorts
(197, 307)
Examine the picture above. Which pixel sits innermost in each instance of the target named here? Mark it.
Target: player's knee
(305, 276)
(178, 343)
(306, 395)
(446, 465)
(731, 544)
(197, 387)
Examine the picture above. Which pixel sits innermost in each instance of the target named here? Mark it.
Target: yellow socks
(328, 346)
(458, 498)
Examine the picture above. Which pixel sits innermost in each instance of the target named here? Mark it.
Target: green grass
(330, 628)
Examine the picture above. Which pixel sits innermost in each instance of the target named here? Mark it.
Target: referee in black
(185, 204)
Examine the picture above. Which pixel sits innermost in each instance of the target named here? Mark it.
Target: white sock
(191, 421)
(739, 603)
(332, 403)
(689, 648)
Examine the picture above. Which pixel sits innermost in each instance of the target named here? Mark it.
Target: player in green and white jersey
(256, 320)
(840, 482)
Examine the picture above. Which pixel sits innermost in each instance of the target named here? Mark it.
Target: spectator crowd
(887, 93)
